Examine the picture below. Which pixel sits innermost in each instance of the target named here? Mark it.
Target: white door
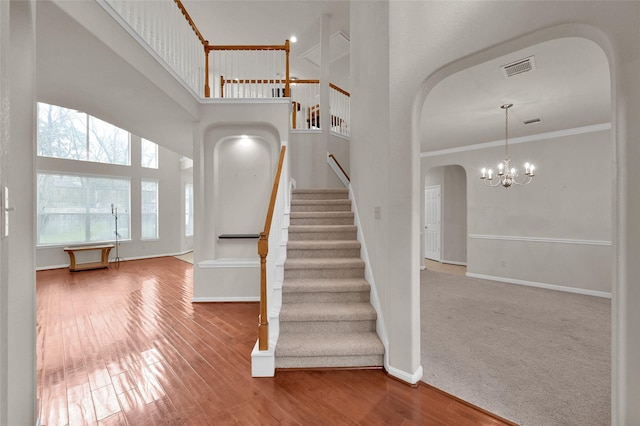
(432, 222)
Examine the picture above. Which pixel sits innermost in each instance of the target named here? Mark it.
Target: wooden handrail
(204, 42)
(340, 166)
(344, 92)
(263, 250)
(248, 47)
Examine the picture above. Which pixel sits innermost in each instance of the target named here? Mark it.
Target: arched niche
(239, 165)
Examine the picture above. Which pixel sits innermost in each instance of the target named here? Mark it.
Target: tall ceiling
(568, 88)
(268, 22)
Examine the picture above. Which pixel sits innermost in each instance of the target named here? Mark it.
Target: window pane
(149, 154)
(75, 209)
(188, 209)
(62, 132)
(149, 209)
(108, 143)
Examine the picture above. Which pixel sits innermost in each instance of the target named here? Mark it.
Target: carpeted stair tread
(328, 345)
(334, 285)
(322, 244)
(322, 228)
(327, 312)
(323, 263)
(337, 202)
(308, 215)
(320, 194)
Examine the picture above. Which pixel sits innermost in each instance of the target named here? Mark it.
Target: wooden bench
(104, 259)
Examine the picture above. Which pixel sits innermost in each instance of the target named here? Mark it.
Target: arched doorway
(528, 235)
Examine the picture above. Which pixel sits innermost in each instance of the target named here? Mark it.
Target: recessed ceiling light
(293, 39)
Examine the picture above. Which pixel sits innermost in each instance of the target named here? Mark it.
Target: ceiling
(268, 22)
(569, 88)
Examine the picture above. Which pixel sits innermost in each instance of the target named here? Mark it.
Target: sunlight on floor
(446, 268)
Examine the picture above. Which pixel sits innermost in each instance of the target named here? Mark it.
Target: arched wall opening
(565, 223)
(556, 232)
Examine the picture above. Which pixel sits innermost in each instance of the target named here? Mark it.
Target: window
(149, 209)
(78, 209)
(149, 154)
(73, 135)
(188, 209)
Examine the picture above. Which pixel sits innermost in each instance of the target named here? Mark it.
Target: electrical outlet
(377, 212)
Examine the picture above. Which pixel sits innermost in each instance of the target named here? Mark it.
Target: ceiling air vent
(519, 66)
(532, 121)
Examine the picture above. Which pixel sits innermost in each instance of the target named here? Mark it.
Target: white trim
(263, 363)
(606, 295)
(340, 135)
(540, 240)
(66, 265)
(226, 299)
(230, 263)
(404, 376)
(522, 139)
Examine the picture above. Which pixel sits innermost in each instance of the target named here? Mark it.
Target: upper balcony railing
(237, 71)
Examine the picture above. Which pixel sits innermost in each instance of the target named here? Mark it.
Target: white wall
(170, 179)
(431, 40)
(385, 178)
(556, 230)
(17, 285)
(309, 159)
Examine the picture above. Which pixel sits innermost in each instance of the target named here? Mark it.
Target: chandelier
(507, 175)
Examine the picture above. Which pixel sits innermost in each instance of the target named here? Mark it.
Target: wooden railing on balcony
(268, 73)
(263, 250)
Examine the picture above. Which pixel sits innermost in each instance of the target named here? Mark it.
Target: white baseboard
(606, 295)
(226, 299)
(404, 376)
(230, 263)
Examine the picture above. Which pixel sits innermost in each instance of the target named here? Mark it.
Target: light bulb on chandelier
(507, 176)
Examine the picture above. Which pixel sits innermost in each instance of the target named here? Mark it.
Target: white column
(20, 288)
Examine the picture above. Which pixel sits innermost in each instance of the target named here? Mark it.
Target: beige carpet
(187, 257)
(534, 356)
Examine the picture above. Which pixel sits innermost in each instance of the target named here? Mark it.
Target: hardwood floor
(127, 346)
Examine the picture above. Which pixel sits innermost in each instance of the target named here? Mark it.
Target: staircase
(326, 319)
